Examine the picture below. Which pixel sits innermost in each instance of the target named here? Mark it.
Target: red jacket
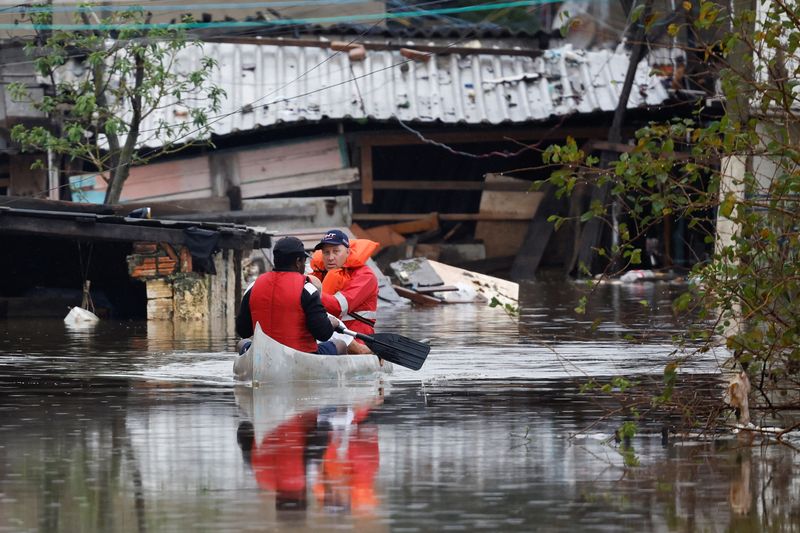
(352, 288)
(275, 305)
(278, 463)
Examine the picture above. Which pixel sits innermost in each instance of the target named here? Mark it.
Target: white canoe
(267, 360)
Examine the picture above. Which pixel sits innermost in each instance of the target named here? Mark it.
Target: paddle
(393, 348)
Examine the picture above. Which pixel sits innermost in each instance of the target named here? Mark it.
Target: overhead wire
(353, 79)
(154, 151)
(279, 22)
(82, 8)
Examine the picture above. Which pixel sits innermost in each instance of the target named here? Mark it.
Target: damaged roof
(268, 85)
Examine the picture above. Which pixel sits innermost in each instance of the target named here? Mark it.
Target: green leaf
(726, 208)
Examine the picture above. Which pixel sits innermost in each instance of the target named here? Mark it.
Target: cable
(279, 22)
(353, 79)
(70, 184)
(22, 9)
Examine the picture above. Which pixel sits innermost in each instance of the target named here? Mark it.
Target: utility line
(280, 22)
(80, 8)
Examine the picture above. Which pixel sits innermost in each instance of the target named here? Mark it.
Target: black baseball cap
(289, 246)
(334, 236)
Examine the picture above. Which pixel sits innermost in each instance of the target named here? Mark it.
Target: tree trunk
(115, 183)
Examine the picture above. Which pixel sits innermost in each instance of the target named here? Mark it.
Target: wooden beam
(442, 185)
(449, 217)
(432, 49)
(416, 297)
(538, 235)
(93, 228)
(366, 174)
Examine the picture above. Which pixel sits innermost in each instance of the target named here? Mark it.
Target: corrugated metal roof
(268, 85)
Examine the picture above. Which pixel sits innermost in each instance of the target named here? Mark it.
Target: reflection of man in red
(337, 455)
(279, 463)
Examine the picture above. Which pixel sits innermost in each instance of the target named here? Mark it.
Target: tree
(106, 81)
(732, 173)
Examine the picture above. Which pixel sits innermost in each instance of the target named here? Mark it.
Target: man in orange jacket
(349, 287)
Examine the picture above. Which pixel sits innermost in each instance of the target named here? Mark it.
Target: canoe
(267, 361)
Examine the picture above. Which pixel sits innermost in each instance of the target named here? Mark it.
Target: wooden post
(539, 231)
(366, 174)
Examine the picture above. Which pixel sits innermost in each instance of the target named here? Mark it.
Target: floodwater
(125, 428)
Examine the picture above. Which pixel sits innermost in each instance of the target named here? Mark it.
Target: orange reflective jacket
(352, 288)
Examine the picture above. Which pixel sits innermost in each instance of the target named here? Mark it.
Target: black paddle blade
(399, 350)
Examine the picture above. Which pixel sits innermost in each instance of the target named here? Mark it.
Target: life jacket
(335, 283)
(275, 304)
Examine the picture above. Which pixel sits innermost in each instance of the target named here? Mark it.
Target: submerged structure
(162, 270)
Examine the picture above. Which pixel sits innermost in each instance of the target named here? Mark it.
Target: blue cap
(334, 236)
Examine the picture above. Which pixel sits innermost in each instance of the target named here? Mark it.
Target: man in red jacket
(349, 287)
(287, 305)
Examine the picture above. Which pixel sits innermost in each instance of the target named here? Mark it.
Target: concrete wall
(197, 303)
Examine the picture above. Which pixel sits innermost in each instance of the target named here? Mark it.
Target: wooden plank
(89, 229)
(274, 168)
(299, 182)
(417, 298)
(425, 223)
(169, 208)
(444, 185)
(438, 185)
(507, 292)
(170, 180)
(538, 235)
(20, 202)
(244, 217)
(451, 217)
(591, 234)
(366, 174)
(503, 238)
(440, 288)
(383, 235)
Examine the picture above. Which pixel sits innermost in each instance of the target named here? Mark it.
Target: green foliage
(107, 83)
(746, 294)
(511, 310)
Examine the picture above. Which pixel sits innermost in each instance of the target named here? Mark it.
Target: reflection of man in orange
(337, 455)
(349, 466)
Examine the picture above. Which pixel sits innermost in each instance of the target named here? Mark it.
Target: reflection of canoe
(267, 360)
(268, 407)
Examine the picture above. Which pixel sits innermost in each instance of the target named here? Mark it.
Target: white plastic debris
(632, 276)
(78, 317)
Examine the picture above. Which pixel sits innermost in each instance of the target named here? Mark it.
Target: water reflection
(133, 428)
(492, 455)
(324, 458)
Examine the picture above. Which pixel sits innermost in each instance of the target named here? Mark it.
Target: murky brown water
(129, 429)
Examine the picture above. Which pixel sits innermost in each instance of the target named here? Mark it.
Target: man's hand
(334, 321)
(358, 348)
(314, 280)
